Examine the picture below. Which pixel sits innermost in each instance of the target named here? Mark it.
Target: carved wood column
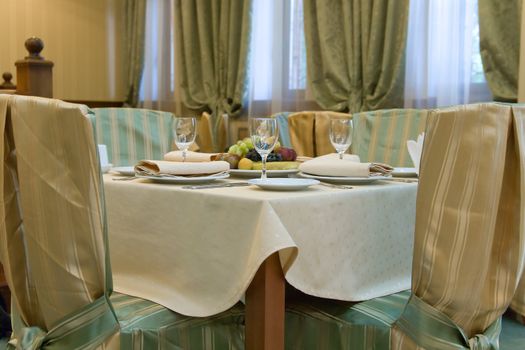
(34, 73)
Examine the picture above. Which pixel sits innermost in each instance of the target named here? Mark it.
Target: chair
(205, 126)
(309, 132)
(381, 136)
(284, 132)
(132, 134)
(468, 250)
(54, 244)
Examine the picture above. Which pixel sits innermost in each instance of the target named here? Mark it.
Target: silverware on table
(219, 185)
(342, 187)
(127, 178)
(399, 179)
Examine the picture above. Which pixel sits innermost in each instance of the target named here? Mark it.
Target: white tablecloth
(196, 251)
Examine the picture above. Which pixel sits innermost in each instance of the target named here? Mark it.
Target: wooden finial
(34, 74)
(34, 46)
(7, 85)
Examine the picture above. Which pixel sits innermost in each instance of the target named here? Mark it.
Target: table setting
(263, 163)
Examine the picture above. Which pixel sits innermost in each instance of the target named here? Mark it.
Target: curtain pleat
(212, 39)
(499, 28)
(355, 53)
(134, 33)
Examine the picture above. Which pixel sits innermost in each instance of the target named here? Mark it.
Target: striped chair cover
(132, 134)
(381, 136)
(468, 250)
(309, 132)
(518, 302)
(205, 126)
(284, 132)
(57, 262)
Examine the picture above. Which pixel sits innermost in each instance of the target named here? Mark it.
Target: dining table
(198, 251)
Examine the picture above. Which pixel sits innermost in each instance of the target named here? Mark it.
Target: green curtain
(134, 31)
(499, 34)
(212, 40)
(355, 52)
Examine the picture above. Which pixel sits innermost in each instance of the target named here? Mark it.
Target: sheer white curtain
(443, 65)
(158, 86)
(277, 72)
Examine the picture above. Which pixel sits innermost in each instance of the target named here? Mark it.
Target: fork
(124, 178)
(342, 187)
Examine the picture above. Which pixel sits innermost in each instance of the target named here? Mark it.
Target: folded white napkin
(176, 156)
(415, 148)
(160, 167)
(349, 166)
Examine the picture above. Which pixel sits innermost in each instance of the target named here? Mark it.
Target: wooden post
(265, 307)
(7, 84)
(34, 73)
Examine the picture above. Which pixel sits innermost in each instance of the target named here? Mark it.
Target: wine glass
(264, 133)
(341, 135)
(184, 133)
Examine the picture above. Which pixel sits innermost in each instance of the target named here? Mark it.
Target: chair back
(381, 136)
(284, 132)
(205, 130)
(309, 132)
(53, 238)
(133, 134)
(469, 239)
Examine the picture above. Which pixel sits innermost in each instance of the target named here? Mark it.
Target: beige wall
(82, 38)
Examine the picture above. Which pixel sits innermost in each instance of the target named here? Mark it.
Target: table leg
(265, 307)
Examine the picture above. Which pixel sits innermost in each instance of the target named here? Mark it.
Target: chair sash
(433, 330)
(86, 328)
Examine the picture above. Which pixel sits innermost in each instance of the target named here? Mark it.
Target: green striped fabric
(132, 134)
(284, 134)
(381, 136)
(325, 324)
(147, 325)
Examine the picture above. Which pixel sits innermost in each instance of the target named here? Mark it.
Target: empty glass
(341, 135)
(184, 133)
(264, 133)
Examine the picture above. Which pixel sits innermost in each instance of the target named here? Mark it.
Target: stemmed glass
(264, 133)
(184, 133)
(341, 135)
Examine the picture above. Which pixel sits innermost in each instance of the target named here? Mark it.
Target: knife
(228, 184)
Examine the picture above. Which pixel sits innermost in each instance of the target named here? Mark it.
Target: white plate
(106, 168)
(404, 172)
(124, 170)
(345, 179)
(283, 184)
(257, 173)
(185, 180)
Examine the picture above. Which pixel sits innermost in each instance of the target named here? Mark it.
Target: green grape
(248, 142)
(244, 149)
(277, 146)
(234, 149)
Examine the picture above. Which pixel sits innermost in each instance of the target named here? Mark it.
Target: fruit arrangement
(242, 155)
